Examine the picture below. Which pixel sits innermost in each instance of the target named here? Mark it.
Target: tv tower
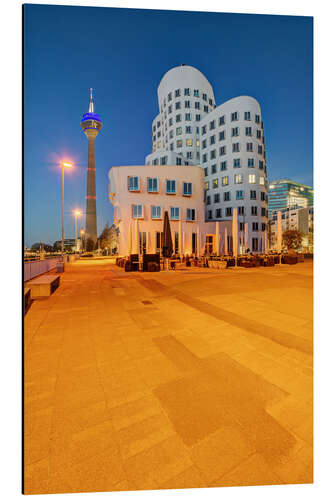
(91, 124)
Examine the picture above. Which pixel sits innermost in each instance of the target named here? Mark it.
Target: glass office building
(284, 193)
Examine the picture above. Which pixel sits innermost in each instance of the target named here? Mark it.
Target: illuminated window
(238, 179)
(156, 212)
(215, 183)
(197, 142)
(179, 143)
(133, 183)
(206, 185)
(188, 142)
(262, 180)
(153, 184)
(225, 180)
(137, 211)
(252, 179)
(159, 144)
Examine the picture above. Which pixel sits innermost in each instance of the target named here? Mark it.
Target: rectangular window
(156, 212)
(206, 171)
(250, 162)
(178, 131)
(254, 244)
(174, 213)
(208, 200)
(177, 93)
(212, 125)
(204, 158)
(197, 142)
(178, 161)
(190, 214)
(169, 96)
(187, 188)
(263, 226)
(261, 164)
(239, 195)
(248, 131)
(255, 226)
(188, 142)
(226, 196)
(217, 198)
(177, 105)
(210, 101)
(133, 183)
(188, 129)
(171, 187)
(257, 119)
(196, 93)
(253, 195)
(178, 118)
(197, 105)
(225, 180)
(228, 212)
(234, 131)
(213, 169)
(171, 147)
(234, 116)
(249, 146)
(223, 165)
(206, 109)
(262, 196)
(213, 154)
(179, 143)
(137, 211)
(235, 147)
(170, 122)
(252, 179)
(240, 210)
(215, 183)
(237, 163)
(204, 97)
(260, 149)
(197, 118)
(153, 184)
(218, 213)
(186, 91)
(206, 185)
(204, 143)
(222, 135)
(247, 115)
(212, 139)
(222, 120)
(203, 129)
(210, 214)
(223, 150)
(262, 180)
(188, 117)
(187, 104)
(241, 226)
(258, 134)
(254, 210)
(238, 178)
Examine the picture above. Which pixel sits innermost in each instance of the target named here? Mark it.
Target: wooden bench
(27, 299)
(43, 286)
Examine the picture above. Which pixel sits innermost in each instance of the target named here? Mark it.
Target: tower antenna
(91, 104)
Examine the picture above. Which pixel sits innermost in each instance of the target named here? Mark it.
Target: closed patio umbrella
(198, 243)
(180, 247)
(246, 236)
(279, 233)
(235, 234)
(167, 246)
(136, 248)
(129, 240)
(225, 241)
(266, 241)
(217, 238)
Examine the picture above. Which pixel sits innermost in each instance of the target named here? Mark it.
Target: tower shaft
(91, 217)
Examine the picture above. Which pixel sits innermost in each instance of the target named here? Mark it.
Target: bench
(44, 286)
(27, 299)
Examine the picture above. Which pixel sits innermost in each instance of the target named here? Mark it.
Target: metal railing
(36, 267)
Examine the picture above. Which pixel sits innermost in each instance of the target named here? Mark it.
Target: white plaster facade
(131, 187)
(228, 141)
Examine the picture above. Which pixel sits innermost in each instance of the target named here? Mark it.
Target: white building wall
(123, 201)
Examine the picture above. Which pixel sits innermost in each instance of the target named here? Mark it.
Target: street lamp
(64, 165)
(82, 233)
(77, 214)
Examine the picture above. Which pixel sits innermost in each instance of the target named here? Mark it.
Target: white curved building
(227, 141)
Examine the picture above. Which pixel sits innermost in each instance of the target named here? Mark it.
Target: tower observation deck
(91, 124)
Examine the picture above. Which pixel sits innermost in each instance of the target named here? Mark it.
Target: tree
(109, 238)
(292, 239)
(90, 245)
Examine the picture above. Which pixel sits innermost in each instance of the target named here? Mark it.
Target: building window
(203, 129)
(234, 131)
(210, 102)
(190, 214)
(179, 143)
(133, 183)
(252, 179)
(238, 178)
(171, 147)
(188, 142)
(257, 119)
(158, 124)
(206, 109)
(226, 196)
(254, 210)
(235, 147)
(177, 93)
(225, 180)
(187, 104)
(204, 143)
(188, 117)
(170, 122)
(178, 161)
(222, 120)
(137, 211)
(196, 93)
(258, 134)
(177, 105)
(171, 187)
(164, 160)
(255, 226)
(263, 226)
(206, 185)
(212, 139)
(188, 129)
(178, 131)
(263, 212)
(213, 169)
(250, 162)
(156, 212)
(253, 195)
(204, 158)
(206, 171)
(153, 184)
(218, 213)
(186, 91)
(222, 136)
(240, 210)
(239, 195)
(260, 149)
(197, 105)
(158, 134)
(263, 197)
(237, 163)
(247, 115)
(187, 188)
(210, 214)
(197, 142)
(228, 212)
(204, 97)
(215, 183)
(248, 131)
(223, 150)
(213, 154)
(234, 116)
(262, 180)
(178, 118)
(261, 164)
(223, 165)
(174, 213)
(249, 146)
(254, 244)
(217, 198)
(208, 200)
(197, 118)
(212, 125)
(169, 96)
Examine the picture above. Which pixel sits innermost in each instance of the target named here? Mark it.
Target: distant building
(69, 244)
(300, 219)
(285, 193)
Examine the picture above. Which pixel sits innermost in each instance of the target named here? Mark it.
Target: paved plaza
(182, 379)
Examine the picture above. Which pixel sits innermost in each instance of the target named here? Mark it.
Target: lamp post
(82, 233)
(77, 214)
(64, 165)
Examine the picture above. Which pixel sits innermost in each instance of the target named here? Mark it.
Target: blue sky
(123, 54)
